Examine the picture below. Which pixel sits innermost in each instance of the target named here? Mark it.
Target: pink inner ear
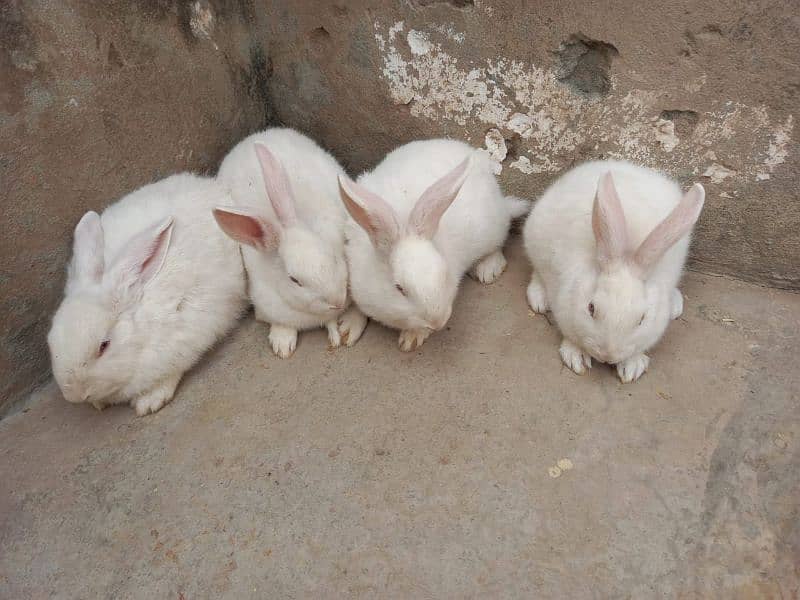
(88, 247)
(276, 182)
(434, 201)
(246, 227)
(677, 224)
(608, 222)
(370, 211)
(156, 253)
(142, 257)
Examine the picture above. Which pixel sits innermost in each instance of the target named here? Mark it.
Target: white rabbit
(286, 213)
(152, 285)
(608, 242)
(426, 214)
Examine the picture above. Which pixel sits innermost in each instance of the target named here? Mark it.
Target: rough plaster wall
(97, 99)
(706, 91)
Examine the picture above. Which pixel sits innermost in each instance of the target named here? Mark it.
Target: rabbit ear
(87, 252)
(677, 224)
(608, 223)
(428, 211)
(247, 227)
(276, 182)
(371, 212)
(142, 258)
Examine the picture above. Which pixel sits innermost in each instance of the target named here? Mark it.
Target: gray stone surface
(367, 472)
(97, 98)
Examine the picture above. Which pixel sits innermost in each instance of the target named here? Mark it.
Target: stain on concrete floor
(372, 473)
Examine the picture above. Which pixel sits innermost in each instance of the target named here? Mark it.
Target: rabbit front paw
(490, 267)
(283, 340)
(631, 369)
(575, 358)
(537, 298)
(351, 325)
(334, 337)
(155, 400)
(411, 339)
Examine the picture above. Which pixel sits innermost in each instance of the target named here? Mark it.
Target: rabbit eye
(642, 319)
(103, 347)
(590, 308)
(294, 280)
(399, 288)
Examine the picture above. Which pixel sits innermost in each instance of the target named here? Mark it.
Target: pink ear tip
(264, 153)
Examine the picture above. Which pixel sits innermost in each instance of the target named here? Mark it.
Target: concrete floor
(367, 472)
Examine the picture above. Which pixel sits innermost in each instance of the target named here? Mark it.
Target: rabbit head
(420, 286)
(94, 339)
(618, 312)
(313, 275)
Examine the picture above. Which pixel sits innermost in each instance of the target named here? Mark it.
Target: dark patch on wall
(256, 82)
(695, 41)
(584, 65)
(18, 61)
(361, 47)
(513, 143)
(685, 121)
(319, 39)
(114, 58)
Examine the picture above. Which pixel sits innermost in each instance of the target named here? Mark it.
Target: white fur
(309, 247)
(569, 274)
(474, 227)
(159, 317)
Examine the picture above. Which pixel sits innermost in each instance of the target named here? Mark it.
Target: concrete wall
(702, 89)
(99, 98)
(96, 99)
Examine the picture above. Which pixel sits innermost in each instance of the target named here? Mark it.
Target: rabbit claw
(155, 400)
(537, 298)
(574, 358)
(351, 325)
(634, 367)
(490, 267)
(411, 339)
(283, 340)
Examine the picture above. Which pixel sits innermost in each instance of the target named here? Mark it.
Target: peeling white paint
(553, 122)
(521, 124)
(718, 173)
(665, 134)
(777, 152)
(418, 42)
(524, 165)
(450, 32)
(201, 20)
(496, 148)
